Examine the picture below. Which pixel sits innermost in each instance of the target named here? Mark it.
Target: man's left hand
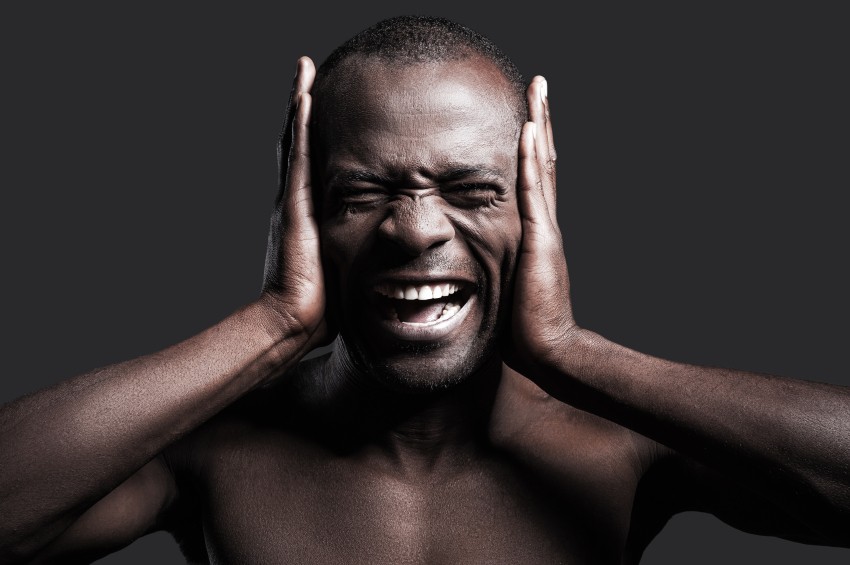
(542, 319)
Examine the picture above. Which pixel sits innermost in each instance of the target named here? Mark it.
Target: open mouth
(422, 304)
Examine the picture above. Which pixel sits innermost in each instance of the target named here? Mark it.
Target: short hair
(423, 39)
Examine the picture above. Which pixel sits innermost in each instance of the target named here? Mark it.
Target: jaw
(419, 344)
(416, 368)
(409, 342)
(415, 426)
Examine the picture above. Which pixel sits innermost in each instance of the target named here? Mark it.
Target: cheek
(342, 238)
(512, 230)
(503, 240)
(509, 244)
(342, 243)
(496, 233)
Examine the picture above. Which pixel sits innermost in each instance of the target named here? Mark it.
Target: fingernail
(544, 90)
(300, 66)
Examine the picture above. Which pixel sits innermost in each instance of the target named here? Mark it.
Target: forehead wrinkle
(418, 121)
(413, 153)
(422, 90)
(460, 124)
(448, 173)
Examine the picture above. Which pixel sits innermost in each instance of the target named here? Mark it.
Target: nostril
(417, 227)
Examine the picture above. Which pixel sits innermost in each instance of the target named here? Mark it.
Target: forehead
(417, 116)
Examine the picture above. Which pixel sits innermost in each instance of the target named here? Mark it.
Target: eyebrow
(447, 175)
(457, 173)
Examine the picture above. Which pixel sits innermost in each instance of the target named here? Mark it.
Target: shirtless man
(463, 416)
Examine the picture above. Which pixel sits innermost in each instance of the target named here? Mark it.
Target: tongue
(419, 311)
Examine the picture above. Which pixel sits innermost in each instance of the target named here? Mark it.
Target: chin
(415, 344)
(417, 368)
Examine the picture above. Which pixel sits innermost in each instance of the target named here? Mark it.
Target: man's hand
(77, 456)
(542, 319)
(733, 437)
(293, 287)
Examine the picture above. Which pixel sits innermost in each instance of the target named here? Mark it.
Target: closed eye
(363, 194)
(472, 194)
(353, 198)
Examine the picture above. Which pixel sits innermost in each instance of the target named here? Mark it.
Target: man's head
(416, 125)
(406, 40)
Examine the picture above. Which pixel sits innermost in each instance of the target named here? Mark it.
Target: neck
(414, 430)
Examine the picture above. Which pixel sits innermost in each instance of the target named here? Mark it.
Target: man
(417, 220)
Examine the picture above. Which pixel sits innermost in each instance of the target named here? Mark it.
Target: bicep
(134, 508)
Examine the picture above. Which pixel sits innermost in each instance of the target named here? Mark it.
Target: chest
(262, 505)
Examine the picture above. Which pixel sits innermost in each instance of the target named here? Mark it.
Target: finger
(537, 95)
(550, 136)
(293, 176)
(533, 209)
(298, 195)
(305, 73)
(293, 220)
(552, 195)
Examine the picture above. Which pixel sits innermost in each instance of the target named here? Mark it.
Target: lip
(420, 279)
(430, 332)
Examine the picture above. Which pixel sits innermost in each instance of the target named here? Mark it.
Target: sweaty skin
(496, 432)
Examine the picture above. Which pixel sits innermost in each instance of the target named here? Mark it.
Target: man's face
(420, 227)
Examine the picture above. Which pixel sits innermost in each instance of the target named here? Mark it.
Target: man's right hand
(293, 287)
(83, 471)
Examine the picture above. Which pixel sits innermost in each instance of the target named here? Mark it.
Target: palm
(294, 283)
(542, 315)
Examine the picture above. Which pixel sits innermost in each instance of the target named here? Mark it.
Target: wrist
(573, 352)
(302, 320)
(569, 363)
(268, 314)
(283, 338)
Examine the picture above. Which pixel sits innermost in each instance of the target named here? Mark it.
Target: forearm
(787, 437)
(66, 447)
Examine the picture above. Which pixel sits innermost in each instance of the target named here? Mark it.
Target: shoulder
(567, 442)
(596, 468)
(260, 417)
(254, 437)
(596, 464)
(529, 419)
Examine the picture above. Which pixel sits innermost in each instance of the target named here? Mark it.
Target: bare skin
(554, 445)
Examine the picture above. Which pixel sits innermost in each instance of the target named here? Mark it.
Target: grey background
(703, 154)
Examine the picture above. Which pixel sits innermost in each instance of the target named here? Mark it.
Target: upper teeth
(422, 292)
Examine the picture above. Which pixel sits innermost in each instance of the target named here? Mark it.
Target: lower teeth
(449, 310)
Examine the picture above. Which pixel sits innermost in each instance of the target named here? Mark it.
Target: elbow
(828, 517)
(14, 554)
(18, 547)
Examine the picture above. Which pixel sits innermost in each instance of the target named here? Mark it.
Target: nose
(416, 224)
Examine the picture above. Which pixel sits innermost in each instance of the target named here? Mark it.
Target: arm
(787, 441)
(67, 449)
